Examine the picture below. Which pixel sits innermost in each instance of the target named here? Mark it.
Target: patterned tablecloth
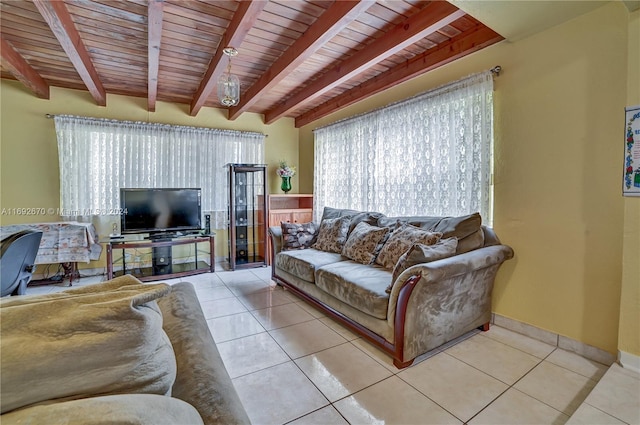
(62, 242)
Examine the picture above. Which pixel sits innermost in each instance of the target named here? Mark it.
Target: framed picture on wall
(631, 175)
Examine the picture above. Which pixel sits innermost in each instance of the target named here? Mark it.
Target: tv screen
(160, 210)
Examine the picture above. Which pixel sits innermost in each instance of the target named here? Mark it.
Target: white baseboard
(629, 361)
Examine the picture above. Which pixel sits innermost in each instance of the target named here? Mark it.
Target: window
(99, 156)
(427, 155)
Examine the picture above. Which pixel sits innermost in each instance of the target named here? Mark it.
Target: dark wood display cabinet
(150, 260)
(247, 215)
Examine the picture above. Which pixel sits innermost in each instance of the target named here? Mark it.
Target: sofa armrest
(202, 379)
(458, 264)
(275, 233)
(452, 297)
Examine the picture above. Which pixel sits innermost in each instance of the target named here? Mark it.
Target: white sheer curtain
(427, 155)
(98, 156)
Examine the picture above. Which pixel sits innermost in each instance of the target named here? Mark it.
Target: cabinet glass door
(247, 215)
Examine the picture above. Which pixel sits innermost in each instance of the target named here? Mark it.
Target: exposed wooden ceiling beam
(19, 68)
(243, 20)
(427, 21)
(154, 31)
(468, 42)
(328, 25)
(55, 13)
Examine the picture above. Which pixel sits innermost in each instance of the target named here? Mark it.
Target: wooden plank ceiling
(297, 58)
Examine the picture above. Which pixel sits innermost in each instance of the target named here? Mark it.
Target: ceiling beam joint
(22, 71)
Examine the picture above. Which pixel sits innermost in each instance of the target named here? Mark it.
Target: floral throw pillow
(401, 240)
(362, 242)
(332, 234)
(420, 253)
(298, 235)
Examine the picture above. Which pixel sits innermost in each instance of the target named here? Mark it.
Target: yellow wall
(29, 174)
(629, 332)
(558, 143)
(559, 109)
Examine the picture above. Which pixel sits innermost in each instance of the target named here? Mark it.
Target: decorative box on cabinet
(247, 215)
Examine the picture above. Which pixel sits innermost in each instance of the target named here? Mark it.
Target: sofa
(117, 352)
(406, 284)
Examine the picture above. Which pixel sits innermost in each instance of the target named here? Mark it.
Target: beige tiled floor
(293, 365)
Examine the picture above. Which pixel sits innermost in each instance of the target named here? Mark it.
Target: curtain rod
(52, 116)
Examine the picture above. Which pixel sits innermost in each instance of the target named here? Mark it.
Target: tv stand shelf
(164, 254)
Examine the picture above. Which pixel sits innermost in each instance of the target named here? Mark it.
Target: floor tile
(222, 307)
(237, 277)
(263, 299)
(204, 279)
(612, 395)
(314, 311)
(454, 385)
(208, 293)
(325, 416)
(306, 338)
(278, 394)
(556, 386)
(234, 326)
(263, 273)
(521, 342)
(589, 415)
(392, 401)
(376, 353)
(577, 363)
(342, 370)
(494, 358)
(516, 408)
(342, 330)
(246, 355)
(248, 287)
(281, 316)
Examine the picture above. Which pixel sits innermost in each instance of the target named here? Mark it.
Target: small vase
(286, 184)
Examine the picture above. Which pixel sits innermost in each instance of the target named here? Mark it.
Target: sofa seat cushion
(124, 409)
(91, 340)
(304, 262)
(359, 285)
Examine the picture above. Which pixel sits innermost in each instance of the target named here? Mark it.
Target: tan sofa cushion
(304, 262)
(332, 234)
(361, 286)
(127, 409)
(467, 228)
(363, 241)
(401, 240)
(420, 253)
(93, 340)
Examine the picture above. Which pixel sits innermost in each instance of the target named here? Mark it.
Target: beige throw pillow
(420, 253)
(363, 241)
(93, 340)
(400, 241)
(332, 234)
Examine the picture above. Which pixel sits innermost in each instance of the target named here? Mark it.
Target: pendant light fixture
(228, 84)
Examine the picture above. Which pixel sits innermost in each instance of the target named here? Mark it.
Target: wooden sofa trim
(396, 350)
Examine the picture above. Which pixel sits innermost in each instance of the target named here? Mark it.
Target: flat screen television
(160, 211)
